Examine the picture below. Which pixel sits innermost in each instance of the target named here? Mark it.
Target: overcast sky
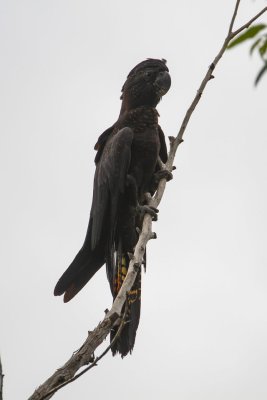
(203, 326)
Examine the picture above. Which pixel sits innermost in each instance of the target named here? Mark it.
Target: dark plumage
(126, 162)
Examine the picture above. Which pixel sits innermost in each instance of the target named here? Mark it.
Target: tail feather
(125, 342)
(81, 270)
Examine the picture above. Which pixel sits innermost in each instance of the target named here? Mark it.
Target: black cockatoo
(126, 169)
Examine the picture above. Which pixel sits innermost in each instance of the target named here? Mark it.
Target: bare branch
(83, 357)
(249, 22)
(94, 363)
(233, 18)
(79, 359)
(178, 140)
(1, 381)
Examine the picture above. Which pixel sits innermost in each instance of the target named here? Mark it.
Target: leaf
(254, 46)
(260, 74)
(249, 34)
(263, 48)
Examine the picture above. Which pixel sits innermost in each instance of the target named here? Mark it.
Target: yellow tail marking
(134, 294)
(121, 274)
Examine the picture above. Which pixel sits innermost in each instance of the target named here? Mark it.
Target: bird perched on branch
(126, 168)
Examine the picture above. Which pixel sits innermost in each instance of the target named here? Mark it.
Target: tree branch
(233, 17)
(78, 359)
(94, 363)
(235, 33)
(1, 380)
(84, 356)
(231, 34)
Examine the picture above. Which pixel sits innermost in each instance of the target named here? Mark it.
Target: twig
(231, 34)
(249, 22)
(1, 380)
(233, 18)
(78, 359)
(94, 363)
(82, 357)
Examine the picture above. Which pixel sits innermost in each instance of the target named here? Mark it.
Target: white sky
(204, 323)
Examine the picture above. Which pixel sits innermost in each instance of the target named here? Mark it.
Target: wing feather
(109, 183)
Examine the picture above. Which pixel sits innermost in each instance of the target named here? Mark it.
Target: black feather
(126, 161)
